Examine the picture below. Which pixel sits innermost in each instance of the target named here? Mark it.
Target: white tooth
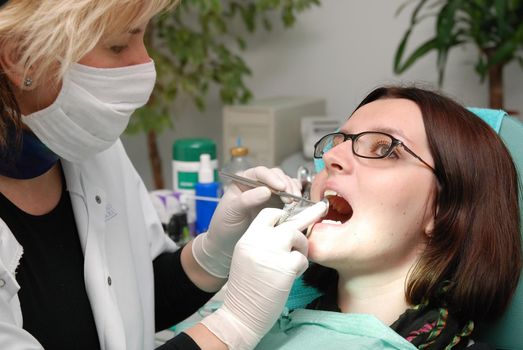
(329, 193)
(309, 230)
(331, 222)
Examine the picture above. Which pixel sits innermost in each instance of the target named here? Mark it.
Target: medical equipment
(185, 165)
(270, 127)
(206, 187)
(291, 209)
(239, 161)
(313, 128)
(253, 183)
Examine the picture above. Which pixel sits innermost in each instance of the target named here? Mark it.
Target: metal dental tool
(253, 183)
(291, 209)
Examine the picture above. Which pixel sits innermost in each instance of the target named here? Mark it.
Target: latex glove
(266, 262)
(234, 213)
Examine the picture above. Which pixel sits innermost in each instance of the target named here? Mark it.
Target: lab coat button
(109, 280)
(2, 283)
(98, 199)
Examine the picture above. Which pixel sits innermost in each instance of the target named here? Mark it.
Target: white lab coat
(120, 235)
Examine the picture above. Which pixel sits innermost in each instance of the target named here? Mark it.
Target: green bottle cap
(189, 149)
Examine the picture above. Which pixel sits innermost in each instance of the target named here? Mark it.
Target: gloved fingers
(289, 239)
(254, 197)
(305, 218)
(235, 206)
(291, 186)
(268, 217)
(299, 243)
(276, 179)
(268, 176)
(298, 262)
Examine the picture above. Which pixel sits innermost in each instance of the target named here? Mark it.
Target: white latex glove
(236, 210)
(266, 261)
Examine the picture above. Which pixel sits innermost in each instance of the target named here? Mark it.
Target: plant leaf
(419, 52)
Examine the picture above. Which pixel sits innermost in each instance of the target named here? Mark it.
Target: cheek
(411, 209)
(318, 185)
(41, 97)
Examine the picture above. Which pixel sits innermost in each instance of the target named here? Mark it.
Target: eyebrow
(392, 131)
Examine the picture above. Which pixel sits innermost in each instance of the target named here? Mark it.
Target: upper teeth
(329, 193)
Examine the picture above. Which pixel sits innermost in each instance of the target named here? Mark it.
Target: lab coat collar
(73, 177)
(10, 250)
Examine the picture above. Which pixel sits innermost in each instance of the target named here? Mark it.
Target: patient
(423, 231)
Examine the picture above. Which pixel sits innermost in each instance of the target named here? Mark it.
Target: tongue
(339, 209)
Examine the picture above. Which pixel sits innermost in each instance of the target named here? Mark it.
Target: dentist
(84, 262)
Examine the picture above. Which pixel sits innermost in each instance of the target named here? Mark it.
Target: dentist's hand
(236, 210)
(266, 261)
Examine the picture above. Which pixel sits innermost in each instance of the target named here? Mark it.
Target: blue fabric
(314, 329)
(493, 117)
(301, 295)
(31, 160)
(319, 165)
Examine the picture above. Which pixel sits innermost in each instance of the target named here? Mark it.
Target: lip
(340, 207)
(342, 192)
(324, 226)
(330, 184)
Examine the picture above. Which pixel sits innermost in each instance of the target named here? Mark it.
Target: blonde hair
(46, 34)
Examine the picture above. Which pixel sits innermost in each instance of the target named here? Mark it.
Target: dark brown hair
(10, 119)
(475, 249)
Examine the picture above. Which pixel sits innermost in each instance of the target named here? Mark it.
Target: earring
(28, 82)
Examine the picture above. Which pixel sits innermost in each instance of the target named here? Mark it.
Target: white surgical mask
(92, 109)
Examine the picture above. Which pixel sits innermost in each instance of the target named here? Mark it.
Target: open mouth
(340, 211)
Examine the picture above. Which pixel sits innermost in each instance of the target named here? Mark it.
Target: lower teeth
(331, 222)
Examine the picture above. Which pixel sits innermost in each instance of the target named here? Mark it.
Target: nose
(340, 158)
(143, 54)
(139, 55)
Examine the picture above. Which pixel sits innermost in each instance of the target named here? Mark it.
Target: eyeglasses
(367, 144)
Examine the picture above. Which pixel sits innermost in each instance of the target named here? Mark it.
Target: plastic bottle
(207, 193)
(239, 161)
(186, 162)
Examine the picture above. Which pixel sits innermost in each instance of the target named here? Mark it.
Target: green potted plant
(494, 27)
(197, 45)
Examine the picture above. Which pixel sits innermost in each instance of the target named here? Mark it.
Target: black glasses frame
(318, 153)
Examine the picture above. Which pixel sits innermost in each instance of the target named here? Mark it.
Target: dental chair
(507, 333)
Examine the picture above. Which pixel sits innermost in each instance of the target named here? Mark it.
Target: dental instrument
(291, 209)
(253, 183)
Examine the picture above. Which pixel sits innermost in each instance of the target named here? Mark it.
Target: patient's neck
(381, 295)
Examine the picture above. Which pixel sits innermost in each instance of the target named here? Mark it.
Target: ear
(12, 67)
(429, 226)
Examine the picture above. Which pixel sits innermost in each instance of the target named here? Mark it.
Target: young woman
(422, 236)
(84, 263)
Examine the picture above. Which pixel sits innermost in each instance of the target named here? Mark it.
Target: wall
(339, 51)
